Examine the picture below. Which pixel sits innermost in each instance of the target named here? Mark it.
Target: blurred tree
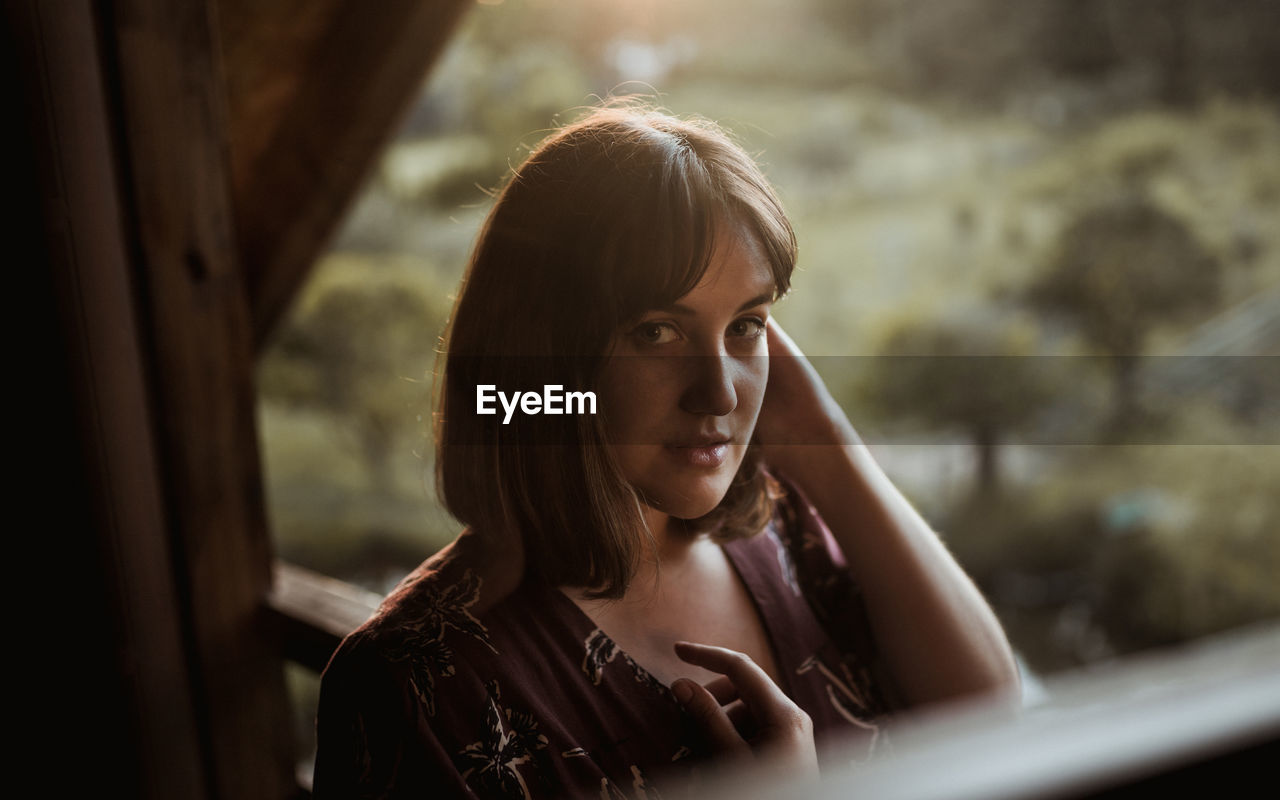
(985, 51)
(356, 354)
(960, 374)
(1119, 271)
(1077, 39)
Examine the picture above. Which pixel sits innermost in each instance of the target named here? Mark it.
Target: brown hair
(609, 217)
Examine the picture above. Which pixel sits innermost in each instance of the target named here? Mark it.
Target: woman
(711, 566)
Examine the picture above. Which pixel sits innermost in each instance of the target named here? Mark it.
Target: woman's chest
(710, 607)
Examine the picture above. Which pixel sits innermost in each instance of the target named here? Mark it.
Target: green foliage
(986, 51)
(358, 350)
(961, 373)
(964, 373)
(1122, 269)
(1126, 548)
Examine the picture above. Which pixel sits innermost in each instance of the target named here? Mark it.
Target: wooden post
(175, 177)
(141, 290)
(126, 718)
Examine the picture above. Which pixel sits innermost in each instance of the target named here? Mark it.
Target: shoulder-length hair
(609, 217)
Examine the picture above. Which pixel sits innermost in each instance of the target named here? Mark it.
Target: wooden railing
(316, 612)
(313, 613)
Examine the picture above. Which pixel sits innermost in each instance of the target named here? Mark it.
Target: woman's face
(683, 386)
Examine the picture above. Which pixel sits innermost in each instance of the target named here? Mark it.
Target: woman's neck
(676, 548)
(673, 538)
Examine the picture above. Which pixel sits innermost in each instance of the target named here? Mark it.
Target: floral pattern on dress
(837, 604)
(794, 535)
(848, 692)
(421, 643)
(803, 536)
(642, 791)
(491, 766)
(600, 650)
(642, 675)
(785, 565)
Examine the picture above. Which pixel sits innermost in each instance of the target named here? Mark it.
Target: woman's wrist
(826, 473)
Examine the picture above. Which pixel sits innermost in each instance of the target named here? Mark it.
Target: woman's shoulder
(403, 694)
(449, 590)
(797, 526)
(433, 620)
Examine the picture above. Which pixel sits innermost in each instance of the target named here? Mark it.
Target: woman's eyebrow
(677, 308)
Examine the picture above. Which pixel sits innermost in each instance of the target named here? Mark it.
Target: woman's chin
(689, 507)
(688, 492)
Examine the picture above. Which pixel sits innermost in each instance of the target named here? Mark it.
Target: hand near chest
(746, 718)
(701, 599)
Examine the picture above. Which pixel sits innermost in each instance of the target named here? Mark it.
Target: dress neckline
(755, 591)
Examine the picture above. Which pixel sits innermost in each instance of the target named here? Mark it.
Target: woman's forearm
(937, 635)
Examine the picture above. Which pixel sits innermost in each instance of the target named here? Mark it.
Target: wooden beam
(168, 102)
(315, 90)
(127, 717)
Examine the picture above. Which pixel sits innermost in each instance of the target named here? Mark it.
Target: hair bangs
(667, 245)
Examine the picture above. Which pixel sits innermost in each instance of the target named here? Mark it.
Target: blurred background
(1039, 268)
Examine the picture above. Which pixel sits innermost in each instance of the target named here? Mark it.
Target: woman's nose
(710, 388)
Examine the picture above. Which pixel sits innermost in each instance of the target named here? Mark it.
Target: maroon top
(447, 691)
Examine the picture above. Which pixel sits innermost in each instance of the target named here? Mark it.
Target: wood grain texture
(114, 568)
(195, 314)
(316, 612)
(315, 90)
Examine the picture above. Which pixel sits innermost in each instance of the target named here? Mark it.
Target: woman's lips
(712, 455)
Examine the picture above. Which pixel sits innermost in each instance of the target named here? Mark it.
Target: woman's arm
(937, 635)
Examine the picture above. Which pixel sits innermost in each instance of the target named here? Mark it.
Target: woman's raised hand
(798, 409)
(744, 715)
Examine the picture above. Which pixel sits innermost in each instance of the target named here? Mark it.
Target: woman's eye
(748, 327)
(654, 333)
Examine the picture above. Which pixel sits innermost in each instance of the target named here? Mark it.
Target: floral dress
(450, 692)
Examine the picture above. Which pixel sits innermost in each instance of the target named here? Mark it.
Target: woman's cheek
(633, 393)
(755, 375)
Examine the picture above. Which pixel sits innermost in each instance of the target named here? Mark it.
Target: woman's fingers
(780, 344)
(710, 717)
(754, 686)
(726, 695)
(798, 408)
(776, 728)
(743, 722)
(722, 689)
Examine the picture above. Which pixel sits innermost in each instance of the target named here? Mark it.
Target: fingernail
(683, 691)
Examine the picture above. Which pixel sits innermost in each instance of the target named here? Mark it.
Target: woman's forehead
(738, 276)
(732, 259)
(740, 260)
